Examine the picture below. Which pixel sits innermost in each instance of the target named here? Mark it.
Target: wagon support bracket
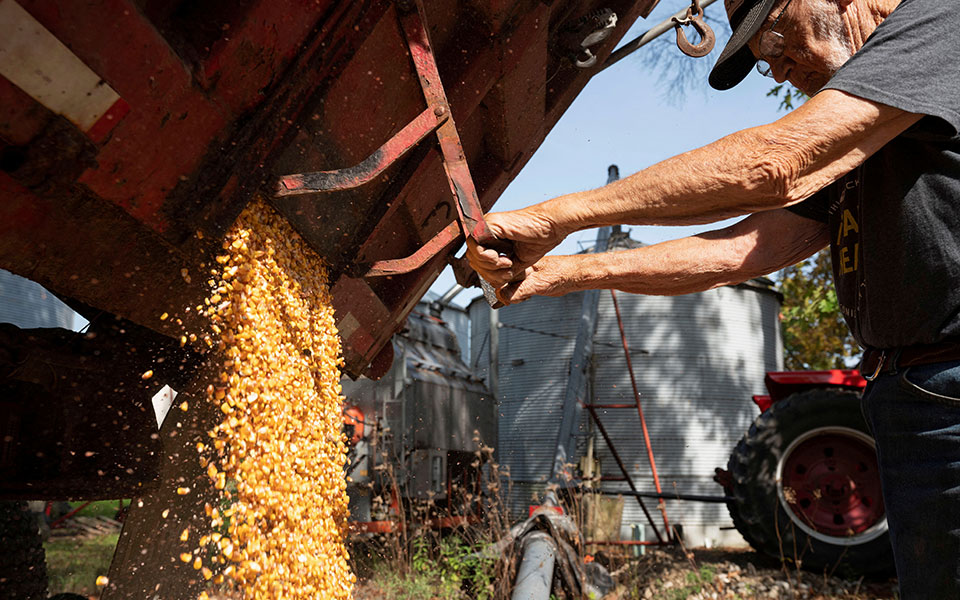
(435, 118)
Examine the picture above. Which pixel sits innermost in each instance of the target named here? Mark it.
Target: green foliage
(790, 95)
(815, 335)
(696, 580)
(448, 570)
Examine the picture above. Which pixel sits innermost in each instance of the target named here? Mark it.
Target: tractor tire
(806, 486)
(23, 570)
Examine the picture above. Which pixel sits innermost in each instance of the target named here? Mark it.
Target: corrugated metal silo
(27, 304)
(697, 358)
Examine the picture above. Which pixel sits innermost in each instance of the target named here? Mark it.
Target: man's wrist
(566, 214)
(583, 272)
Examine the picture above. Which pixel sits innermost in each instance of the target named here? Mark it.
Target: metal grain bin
(698, 359)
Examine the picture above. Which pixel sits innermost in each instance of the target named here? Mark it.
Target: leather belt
(876, 362)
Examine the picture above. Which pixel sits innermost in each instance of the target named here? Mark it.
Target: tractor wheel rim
(829, 485)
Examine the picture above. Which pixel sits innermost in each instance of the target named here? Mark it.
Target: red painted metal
(224, 97)
(359, 527)
(105, 124)
(535, 507)
(436, 117)
(366, 171)
(763, 402)
(834, 484)
(643, 421)
(449, 234)
(781, 384)
(454, 161)
(56, 524)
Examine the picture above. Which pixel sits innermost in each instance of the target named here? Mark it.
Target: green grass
(73, 565)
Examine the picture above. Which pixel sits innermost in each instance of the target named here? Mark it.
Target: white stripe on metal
(40, 65)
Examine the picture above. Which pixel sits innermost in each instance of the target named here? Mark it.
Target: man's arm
(757, 245)
(761, 168)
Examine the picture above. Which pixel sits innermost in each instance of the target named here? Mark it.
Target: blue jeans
(914, 414)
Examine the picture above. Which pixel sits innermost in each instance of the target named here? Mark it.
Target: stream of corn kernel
(278, 455)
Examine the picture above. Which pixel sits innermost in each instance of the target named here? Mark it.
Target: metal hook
(707, 37)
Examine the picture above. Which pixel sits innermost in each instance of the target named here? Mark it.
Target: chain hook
(694, 17)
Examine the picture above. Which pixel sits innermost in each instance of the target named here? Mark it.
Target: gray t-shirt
(895, 221)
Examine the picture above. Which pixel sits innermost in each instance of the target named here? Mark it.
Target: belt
(876, 362)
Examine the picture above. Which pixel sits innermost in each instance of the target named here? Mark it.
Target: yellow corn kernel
(278, 443)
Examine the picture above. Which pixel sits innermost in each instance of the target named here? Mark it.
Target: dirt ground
(733, 574)
(705, 574)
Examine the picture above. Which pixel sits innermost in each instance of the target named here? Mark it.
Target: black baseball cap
(736, 60)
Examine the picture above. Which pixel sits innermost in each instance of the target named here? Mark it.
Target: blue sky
(623, 117)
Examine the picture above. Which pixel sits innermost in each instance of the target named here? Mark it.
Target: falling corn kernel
(183, 491)
(197, 563)
(186, 557)
(184, 406)
(164, 316)
(147, 374)
(185, 535)
(278, 444)
(102, 580)
(165, 512)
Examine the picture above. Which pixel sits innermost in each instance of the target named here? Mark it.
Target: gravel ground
(729, 574)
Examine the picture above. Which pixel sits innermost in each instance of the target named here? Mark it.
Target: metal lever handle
(504, 248)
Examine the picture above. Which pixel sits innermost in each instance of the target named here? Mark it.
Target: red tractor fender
(781, 384)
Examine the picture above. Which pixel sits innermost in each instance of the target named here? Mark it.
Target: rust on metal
(375, 164)
(398, 266)
(694, 18)
(469, 211)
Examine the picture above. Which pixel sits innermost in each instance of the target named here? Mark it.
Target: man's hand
(549, 276)
(533, 233)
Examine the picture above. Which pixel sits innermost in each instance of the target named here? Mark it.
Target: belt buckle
(876, 372)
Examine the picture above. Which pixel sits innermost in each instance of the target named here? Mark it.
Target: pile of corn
(278, 455)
